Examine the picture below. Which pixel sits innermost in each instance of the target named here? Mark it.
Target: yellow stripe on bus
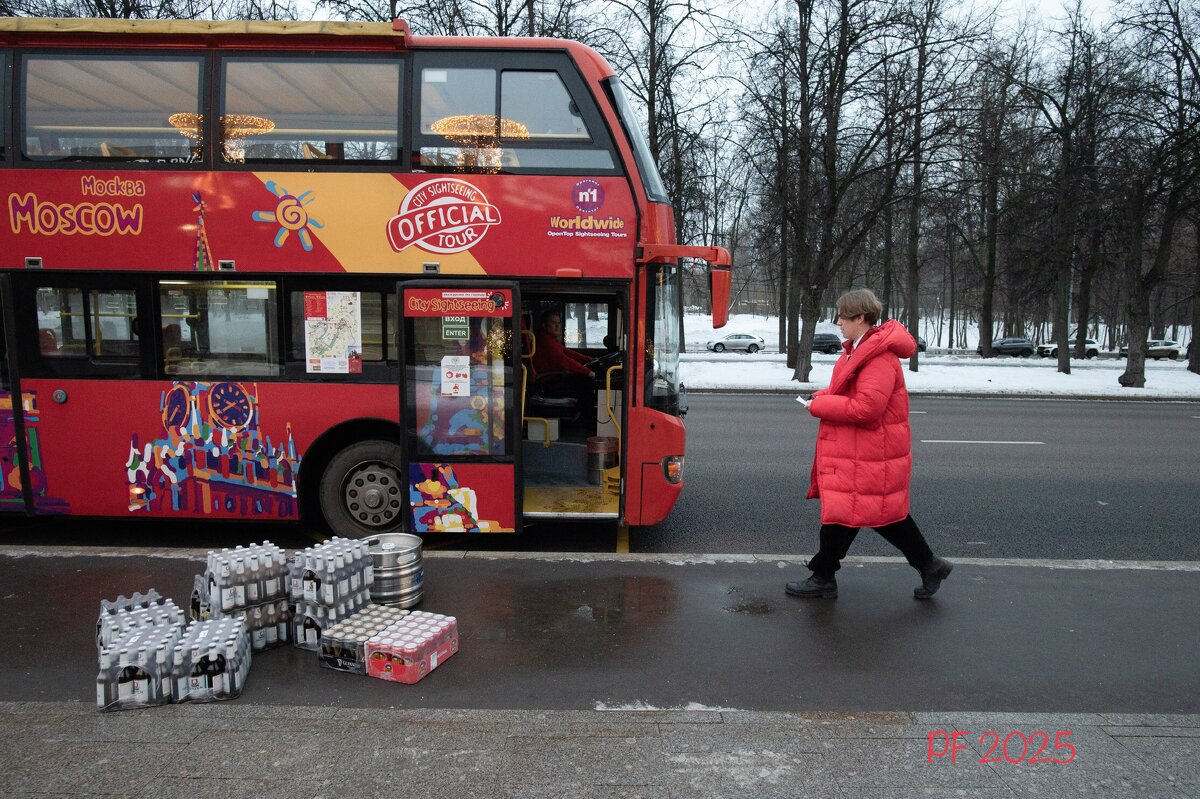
(354, 210)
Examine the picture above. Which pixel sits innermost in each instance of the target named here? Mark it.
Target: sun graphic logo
(443, 216)
(290, 215)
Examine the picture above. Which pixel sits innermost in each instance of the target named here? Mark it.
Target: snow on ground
(698, 328)
(938, 374)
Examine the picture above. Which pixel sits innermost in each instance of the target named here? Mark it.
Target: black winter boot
(814, 588)
(931, 578)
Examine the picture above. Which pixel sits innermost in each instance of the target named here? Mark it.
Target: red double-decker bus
(332, 272)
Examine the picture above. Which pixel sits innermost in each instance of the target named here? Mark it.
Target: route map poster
(333, 332)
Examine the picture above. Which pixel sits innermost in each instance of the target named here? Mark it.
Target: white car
(737, 341)
(1091, 348)
(1158, 348)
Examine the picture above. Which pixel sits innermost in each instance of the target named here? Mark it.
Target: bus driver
(561, 371)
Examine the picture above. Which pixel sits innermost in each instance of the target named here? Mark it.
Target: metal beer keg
(399, 569)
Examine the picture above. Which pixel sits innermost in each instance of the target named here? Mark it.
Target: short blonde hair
(860, 302)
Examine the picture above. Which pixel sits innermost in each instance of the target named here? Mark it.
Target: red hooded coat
(863, 460)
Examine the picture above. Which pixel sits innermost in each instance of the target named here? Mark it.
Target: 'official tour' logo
(443, 215)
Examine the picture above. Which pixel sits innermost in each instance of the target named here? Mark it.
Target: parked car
(920, 344)
(828, 343)
(1091, 348)
(1011, 346)
(1157, 348)
(736, 341)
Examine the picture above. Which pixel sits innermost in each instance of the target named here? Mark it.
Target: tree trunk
(991, 224)
(782, 178)
(889, 232)
(810, 314)
(1193, 347)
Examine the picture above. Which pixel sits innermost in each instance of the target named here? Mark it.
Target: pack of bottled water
(331, 573)
(409, 649)
(135, 669)
(249, 583)
(211, 661)
(124, 616)
(243, 577)
(344, 645)
(326, 584)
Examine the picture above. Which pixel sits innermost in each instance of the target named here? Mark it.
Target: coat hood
(891, 337)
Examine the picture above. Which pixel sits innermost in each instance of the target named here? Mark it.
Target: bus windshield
(651, 180)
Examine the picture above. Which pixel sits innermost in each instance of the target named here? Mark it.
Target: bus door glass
(12, 495)
(458, 406)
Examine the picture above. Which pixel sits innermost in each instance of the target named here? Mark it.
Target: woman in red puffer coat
(863, 462)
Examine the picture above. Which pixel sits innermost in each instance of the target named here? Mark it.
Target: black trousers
(836, 539)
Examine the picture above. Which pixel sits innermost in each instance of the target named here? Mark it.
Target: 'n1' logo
(588, 196)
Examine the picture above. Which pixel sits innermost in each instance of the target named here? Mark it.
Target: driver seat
(535, 406)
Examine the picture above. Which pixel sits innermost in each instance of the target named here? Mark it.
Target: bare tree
(934, 46)
(1162, 162)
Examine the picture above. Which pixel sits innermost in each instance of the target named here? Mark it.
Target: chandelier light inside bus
(234, 129)
(478, 130)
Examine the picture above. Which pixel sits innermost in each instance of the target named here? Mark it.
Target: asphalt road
(1109, 480)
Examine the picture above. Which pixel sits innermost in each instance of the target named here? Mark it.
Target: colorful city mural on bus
(441, 503)
(11, 496)
(211, 457)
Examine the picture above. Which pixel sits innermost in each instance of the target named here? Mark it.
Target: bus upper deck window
(515, 119)
(326, 109)
(466, 96)
(542, 105)
(100, 107)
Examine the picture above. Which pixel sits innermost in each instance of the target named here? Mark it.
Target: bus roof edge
(191, 27)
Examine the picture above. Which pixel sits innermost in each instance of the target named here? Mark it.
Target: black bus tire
(362, 490)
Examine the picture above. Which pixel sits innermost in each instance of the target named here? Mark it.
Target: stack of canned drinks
(211, 661)
(328, 583)
(250, 583)
(412, 647)
(344, 645)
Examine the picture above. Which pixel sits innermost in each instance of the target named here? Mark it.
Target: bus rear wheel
(362, 490)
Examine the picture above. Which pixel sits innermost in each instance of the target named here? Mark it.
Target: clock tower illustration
(213, 458)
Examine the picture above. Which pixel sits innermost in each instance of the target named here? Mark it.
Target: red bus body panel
(315, 222)
(94, 463)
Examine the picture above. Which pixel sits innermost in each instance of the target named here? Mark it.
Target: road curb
(680, 559)
(800, 387)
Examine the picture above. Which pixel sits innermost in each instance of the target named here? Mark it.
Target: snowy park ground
(938, 374)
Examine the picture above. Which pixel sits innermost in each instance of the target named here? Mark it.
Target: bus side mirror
(720, 280)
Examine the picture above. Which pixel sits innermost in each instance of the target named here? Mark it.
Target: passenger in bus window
(48, 341)
(560, 370)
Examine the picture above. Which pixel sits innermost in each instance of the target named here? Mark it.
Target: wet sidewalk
(626, 676)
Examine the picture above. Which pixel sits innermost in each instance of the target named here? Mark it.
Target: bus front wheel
(362, 490)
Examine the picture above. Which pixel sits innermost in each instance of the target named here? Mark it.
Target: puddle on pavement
(754, 607)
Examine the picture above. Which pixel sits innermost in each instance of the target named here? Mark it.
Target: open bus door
(459, 405)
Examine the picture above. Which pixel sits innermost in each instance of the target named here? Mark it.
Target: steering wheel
(602, 363)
